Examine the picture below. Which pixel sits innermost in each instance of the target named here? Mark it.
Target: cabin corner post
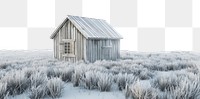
(62, 36)
(54, 48)
(60, 46)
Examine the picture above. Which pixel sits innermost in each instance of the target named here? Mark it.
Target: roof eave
(57, 29)
(104, 38)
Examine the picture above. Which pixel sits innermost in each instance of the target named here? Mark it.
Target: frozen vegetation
(137, 75)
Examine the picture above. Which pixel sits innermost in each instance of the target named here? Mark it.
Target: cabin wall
(102, 49)
(82, 48)
(69, 31)
(56, 47)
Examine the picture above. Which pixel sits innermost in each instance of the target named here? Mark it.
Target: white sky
(148, 16)
(13, 38)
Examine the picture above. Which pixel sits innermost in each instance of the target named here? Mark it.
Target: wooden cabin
(80, 38)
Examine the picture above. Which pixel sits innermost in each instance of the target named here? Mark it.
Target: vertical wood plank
(59, 44)
(105, 50)
(114, 53)
(54, 48)
(72, 30)
(116, 42)
(78, 45)
(75, 37)
(96, 50)
(72, 47)
(82, 38)
(94, 41)
(68, 34)
(103, 53)
(83, 47)
(66, 29)
(109, 50)
(89, 53)
(90, 50)
(119, 48)
(98, 46)
(93, 51)
(112, 50)
(85, 53)
(81, 50)
(62, 36)
(100, 50)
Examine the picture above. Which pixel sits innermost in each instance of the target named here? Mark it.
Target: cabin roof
(91, 28)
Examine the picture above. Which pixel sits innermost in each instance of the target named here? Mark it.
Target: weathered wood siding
(102, 49)
(79, 46)
(56, 46)
(69, 31)
(82, 48)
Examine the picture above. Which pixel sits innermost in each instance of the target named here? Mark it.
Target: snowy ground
(71, 92)
(161, 75)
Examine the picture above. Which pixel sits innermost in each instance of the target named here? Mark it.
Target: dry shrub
(105, 81)
(76, 77)
(165, 83)
(38, 92)
(66, 73)
(55, 87)
(137, 91)
(3, 90)
(16, 81)
(89, 80)
(124, 79)
(37, 79)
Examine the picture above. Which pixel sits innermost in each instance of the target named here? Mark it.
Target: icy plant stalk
(16, 81)
(3, 88)
(55, 87)
(137, 91)
(89, 80)
(104, 81)
(38, 92)
(76, 77)
(124, 79)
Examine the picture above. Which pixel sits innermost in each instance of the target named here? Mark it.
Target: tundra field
(136, 75)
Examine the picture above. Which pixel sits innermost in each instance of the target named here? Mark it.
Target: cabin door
(107, 49)
(69, 50)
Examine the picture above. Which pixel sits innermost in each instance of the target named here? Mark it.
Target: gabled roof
(91, 28)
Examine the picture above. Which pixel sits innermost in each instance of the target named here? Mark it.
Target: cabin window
(67, 48)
